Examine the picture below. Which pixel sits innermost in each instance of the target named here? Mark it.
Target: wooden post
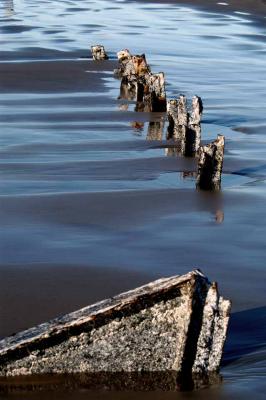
(150, 88)
(98, 53)
(156, 92)
(210, 165)
(197, 109)
(172, 117)
(184, 127)
(182, 113)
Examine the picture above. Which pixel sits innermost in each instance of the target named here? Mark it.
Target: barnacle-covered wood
(156, 327)
(197, 110)
(98, 53)
(149, 88)
(213, 331)
(156, 94)
(184, 127)
(210, 165)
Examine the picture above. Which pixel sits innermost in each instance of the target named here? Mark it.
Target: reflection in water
(137, 127)
(186, 140)
(127, 91)
(123, 107)
(141, 381)
(9, 8)
(188, 174)
(219, 216)
(155, 130)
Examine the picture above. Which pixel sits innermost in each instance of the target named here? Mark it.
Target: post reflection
(155, 130)
(185, 140)
(9, 7)
(219, 216)
(137, 127)
(127, 91)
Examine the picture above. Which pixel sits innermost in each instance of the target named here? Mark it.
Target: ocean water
(83, 184)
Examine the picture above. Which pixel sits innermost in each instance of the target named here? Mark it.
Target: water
(91, 206)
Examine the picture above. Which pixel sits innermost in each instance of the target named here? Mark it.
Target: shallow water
(90, 205)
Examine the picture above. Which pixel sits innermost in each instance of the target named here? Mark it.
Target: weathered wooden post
(184, 127)
(172, 117)
(197, 110)
(150, 88)
(98, 53)
(174, 325)
(156, 96)
(210, 165)
(182, 112)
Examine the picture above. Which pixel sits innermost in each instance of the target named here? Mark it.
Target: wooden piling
(98, 53)
(184, 128)
(150, 88)
(210, 165)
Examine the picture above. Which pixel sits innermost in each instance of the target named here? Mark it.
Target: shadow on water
(247, 334)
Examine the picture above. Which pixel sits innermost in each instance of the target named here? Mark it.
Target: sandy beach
(90, 202)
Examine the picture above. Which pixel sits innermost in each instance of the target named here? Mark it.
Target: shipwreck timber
(174, 326)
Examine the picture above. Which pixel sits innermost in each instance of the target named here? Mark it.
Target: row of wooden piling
(138, 82)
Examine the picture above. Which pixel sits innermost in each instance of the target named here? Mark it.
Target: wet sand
(56, 290)
(91, 206)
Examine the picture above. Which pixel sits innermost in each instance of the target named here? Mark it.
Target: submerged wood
(175, 324)
(98, 53)
(184, 128)
(210, 165)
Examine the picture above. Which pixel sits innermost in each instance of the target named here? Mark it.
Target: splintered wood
(173, 324)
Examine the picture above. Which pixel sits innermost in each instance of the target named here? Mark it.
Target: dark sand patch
(50, 77)
(31, 294)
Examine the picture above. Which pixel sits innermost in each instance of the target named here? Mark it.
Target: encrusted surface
(213, 332)
(210, 165)
(149, 340)
(163, 326)
(184, 128)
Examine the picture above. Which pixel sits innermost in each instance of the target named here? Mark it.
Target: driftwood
(174, 326)
(184, 127)
(210, 165)
(98, 53)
